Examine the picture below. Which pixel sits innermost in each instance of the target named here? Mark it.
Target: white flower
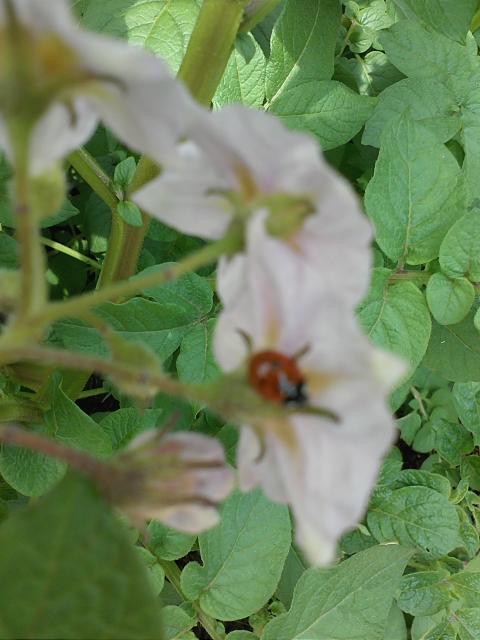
(72, 78)
(177, 479)
(240, 160)
(324, 469)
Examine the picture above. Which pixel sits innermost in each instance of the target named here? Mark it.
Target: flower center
(277, 378)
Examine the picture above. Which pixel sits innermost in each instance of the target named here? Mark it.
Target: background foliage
(390, 90)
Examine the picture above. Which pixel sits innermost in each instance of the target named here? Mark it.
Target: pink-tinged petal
(189, 518)
(60, 131)
(182, 196)
(177, 479)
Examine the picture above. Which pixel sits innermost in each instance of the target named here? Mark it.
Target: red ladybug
(277, 378)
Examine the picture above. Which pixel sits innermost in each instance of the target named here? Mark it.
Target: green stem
(210, 47)
(121, 370)
(91, 393)
(255, 16)
(82, 304)
(68, 251)
(93, 174)
(19, 410)
(173, 573)
(202, 69)
(475, 22)
(126, 242)
(406, 276)
(32, 257)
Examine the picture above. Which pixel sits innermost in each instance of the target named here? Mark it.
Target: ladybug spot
(277, 378)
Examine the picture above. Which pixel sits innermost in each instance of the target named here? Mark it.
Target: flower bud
(48, 192)
(178, 480)
(133, 353)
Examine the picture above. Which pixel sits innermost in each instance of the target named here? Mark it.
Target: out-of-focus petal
(60, 131)
(179, 479)
(180, 197)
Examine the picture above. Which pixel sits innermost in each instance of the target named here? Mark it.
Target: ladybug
(277, 378)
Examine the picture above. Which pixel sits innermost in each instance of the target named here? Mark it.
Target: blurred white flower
(239, 161)
(303, 349)
(65, 79)
(177, 479)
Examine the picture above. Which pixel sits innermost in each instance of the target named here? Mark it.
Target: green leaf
(470, 471)
(391, 467)
(29, 472)
(466, 396)
(366, 23)
(326, 108)
(243, 557)
(409, 426)
(429, 102)
(66, 211)
(168, 544)
(292, 570)
(441, 59)
(241, 635)
(396, 628)
(69, 425)
(302, 45)
(421, 478)
(449, 17)
(396, 317)
(454, 351)
(130, 213)
(162, 26)
(160, 327)
(71, 573)
(466, 586)
(123, 425)
(424, 626)
(415, 516)
(449, 299)
(331, 603)
(124, 172)
(468, 623)
(177, 623)
(8, 251)
(245, 45)
(460, 249)
(32, 473)
(190, 292)
(372, 74)
(452, 440)
(196, 362)
(412, 195)
(423, 593)
(243, 82)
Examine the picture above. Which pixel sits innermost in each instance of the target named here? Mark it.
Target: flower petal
(180, 198)
(60, 131)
